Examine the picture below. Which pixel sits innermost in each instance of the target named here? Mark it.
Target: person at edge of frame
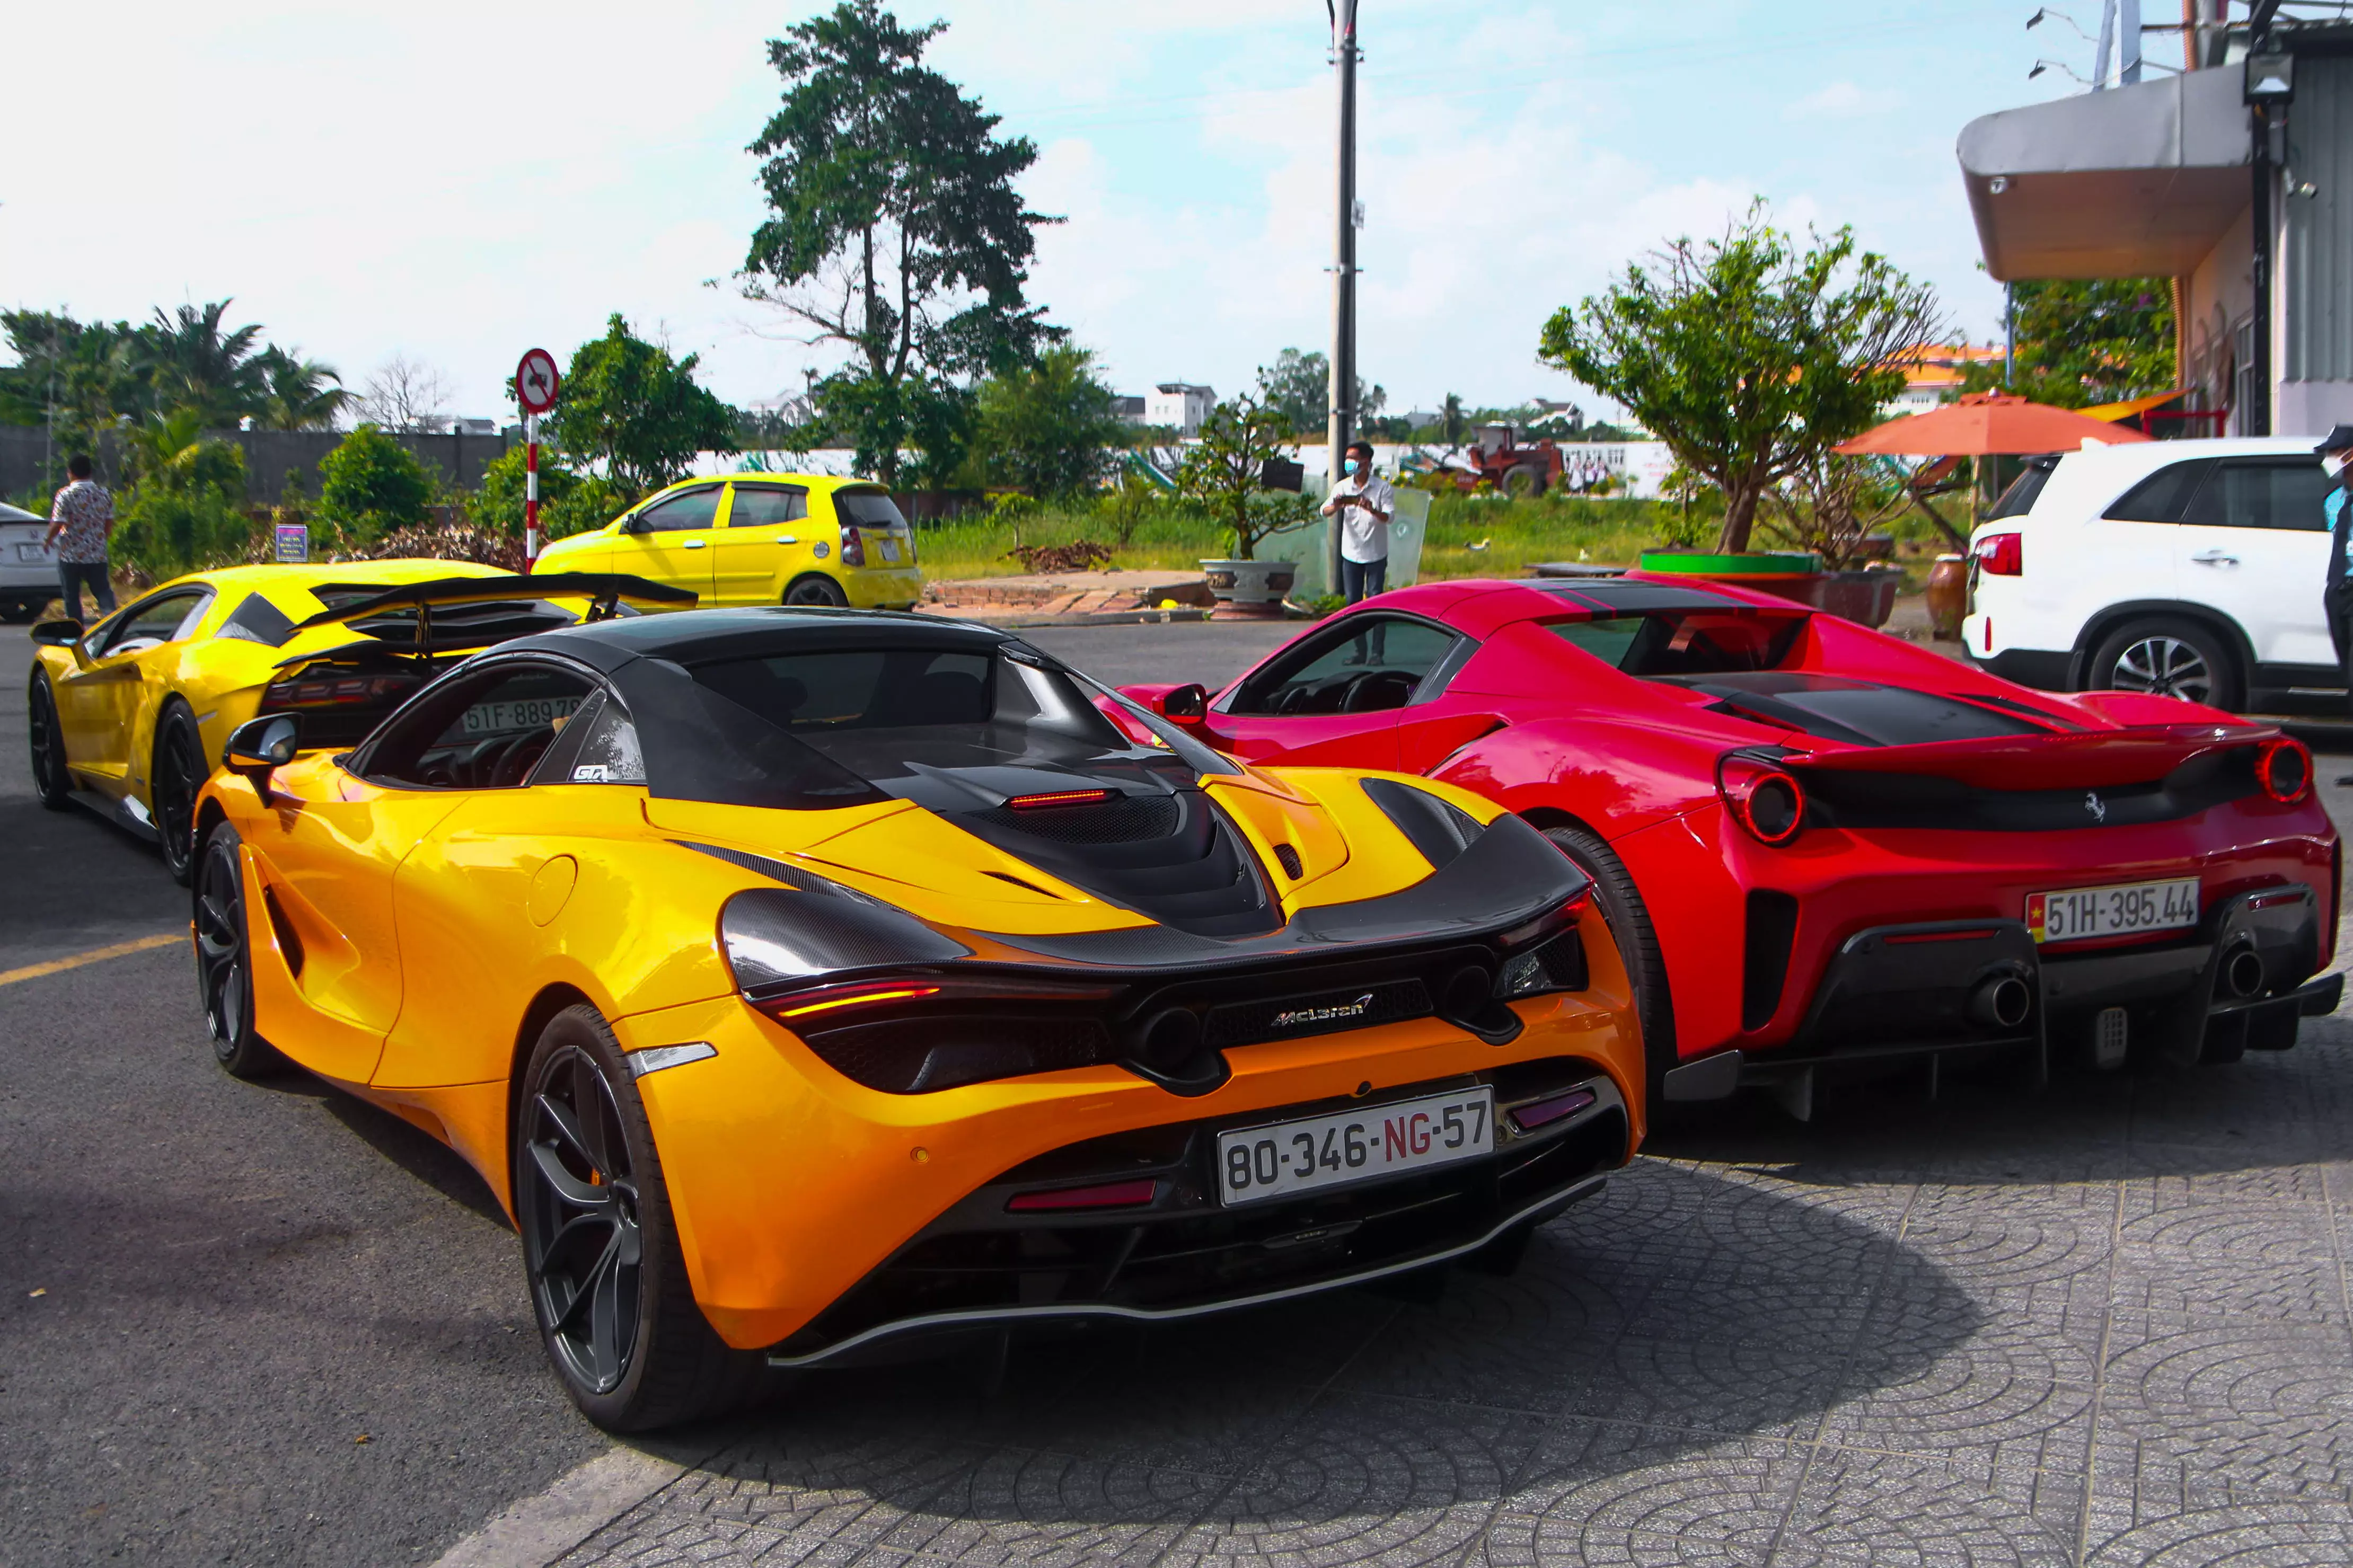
(2336, 451)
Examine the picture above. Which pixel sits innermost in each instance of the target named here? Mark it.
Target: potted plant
(1222, 473)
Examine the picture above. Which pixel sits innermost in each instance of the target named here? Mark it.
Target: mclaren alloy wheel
(225, 958)
(51, 782)
(177, 773)
(607, 1279)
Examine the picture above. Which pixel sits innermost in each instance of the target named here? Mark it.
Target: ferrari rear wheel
(1638, 945)
(608, 1282)
(174, 776)
(51, 782)
(224, 959)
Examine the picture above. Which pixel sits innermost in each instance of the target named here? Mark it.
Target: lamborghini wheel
(173, 778)
(608, 1282)
(1638, 946)
(51, 782)
(224, 959)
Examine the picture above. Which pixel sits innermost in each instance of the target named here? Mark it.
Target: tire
(2168, 656)
(224, 959)
(1628, 920)
(51, 781)
(814, 591)
(174, 776)
(1523, 483)
(16, 612)
(601, 1256)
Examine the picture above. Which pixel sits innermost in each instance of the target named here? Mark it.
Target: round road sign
(536, 383)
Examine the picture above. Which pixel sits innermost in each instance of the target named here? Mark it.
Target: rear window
(1687, 642)
(2018, 499)
(2161, 496)
(869, 509)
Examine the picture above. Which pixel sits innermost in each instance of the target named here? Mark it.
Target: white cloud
(1844, 101)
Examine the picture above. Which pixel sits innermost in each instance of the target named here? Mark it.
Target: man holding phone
(1362, 503)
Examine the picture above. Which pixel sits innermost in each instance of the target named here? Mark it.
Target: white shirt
(1362, 538)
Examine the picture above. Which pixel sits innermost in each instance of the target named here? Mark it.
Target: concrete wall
(268, 456)
(2316, 253)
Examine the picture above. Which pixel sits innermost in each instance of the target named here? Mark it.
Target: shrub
(163, 532)
(371, 484)
(569, 502)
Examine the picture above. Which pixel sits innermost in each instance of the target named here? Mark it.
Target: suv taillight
(853, 546)
(2002, 554)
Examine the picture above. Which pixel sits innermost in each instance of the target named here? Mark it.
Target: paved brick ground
(2107, 1325)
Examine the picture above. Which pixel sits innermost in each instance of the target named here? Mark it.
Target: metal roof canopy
(2131, 182)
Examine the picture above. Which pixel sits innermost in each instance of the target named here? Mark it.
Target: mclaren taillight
(2000, 555)
(1766, 800)
(2284, 770)
(333, 691)
(1060, 797)
(853, 546)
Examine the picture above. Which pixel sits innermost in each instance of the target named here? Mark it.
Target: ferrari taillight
(2000, 555)
(2284, 770)
(853, 546)
(1767, 801)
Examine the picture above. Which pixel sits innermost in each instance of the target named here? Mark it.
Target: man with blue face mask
(1362, 503)
(2336, 451)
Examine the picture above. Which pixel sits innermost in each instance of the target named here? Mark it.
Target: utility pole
(1341, 428)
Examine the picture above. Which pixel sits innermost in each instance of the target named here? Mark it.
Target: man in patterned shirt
(84, 514)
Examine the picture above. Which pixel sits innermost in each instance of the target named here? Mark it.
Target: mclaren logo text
(1337, 1013)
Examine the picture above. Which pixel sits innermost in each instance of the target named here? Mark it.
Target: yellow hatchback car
(759, 539)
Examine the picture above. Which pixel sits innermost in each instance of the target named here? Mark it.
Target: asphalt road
(264, 1324)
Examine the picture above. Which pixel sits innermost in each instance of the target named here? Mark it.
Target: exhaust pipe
(2000, 1002)
(2242, 973)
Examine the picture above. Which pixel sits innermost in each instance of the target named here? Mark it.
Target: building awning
(2133, 181)
(2133, 408)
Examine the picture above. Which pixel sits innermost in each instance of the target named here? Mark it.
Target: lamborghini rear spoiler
(2080, 759)
(605, 590)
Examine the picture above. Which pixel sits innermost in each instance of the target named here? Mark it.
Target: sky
(458, 183)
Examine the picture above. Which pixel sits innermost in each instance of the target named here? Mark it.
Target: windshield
(869, 509)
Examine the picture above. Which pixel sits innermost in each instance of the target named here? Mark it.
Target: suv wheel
(2168, 657)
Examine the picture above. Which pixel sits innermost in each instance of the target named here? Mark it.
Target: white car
(2190, 569)
(29, 568)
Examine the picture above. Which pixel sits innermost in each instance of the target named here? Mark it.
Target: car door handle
(692, 543)
(786, 538)
(2215, 558)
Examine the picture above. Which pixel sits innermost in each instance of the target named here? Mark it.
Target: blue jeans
(1362, 579)
(72, 574)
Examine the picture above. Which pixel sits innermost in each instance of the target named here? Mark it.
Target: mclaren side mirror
(256, 747)
(1187, 704)
(58, 634)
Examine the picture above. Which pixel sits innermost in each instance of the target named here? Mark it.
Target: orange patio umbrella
(1987, 423)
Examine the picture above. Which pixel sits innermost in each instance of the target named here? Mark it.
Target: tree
(1046, 428)
(1221, 472)
(193, 363)
(894, 228)
(405, 394)
(569, 501)
(300, 394)
(371, 484)
(1298, 386)
(2088, 341)
(1746, 357)
(640, 414)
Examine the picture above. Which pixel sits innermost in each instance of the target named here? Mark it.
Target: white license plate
(504, 718)
(890, 551)
(1259, 1163)
(2077, 912)
(31, 552)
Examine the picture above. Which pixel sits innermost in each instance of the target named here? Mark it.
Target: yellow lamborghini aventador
(127, 715)
(810, 982)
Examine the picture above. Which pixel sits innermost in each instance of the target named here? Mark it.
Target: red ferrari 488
(1825, 850)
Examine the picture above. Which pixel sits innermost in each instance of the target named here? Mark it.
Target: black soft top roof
(695, 636)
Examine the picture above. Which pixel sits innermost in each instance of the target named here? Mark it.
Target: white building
(1179, 404)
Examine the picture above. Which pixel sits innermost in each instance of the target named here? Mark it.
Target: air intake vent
(1292, 867)
(1765, 963)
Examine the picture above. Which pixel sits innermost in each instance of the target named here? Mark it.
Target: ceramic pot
(1948, 594)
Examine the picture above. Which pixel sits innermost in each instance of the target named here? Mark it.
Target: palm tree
(195, 365)
(302, 394)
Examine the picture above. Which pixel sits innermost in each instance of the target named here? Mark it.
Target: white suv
(29, 567)
(2192, 569)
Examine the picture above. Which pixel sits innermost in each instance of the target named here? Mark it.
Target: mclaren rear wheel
(224, 959)
(1638, 946)
(607, 1279)
(51, 782)
(174, 776)
(817, 590)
